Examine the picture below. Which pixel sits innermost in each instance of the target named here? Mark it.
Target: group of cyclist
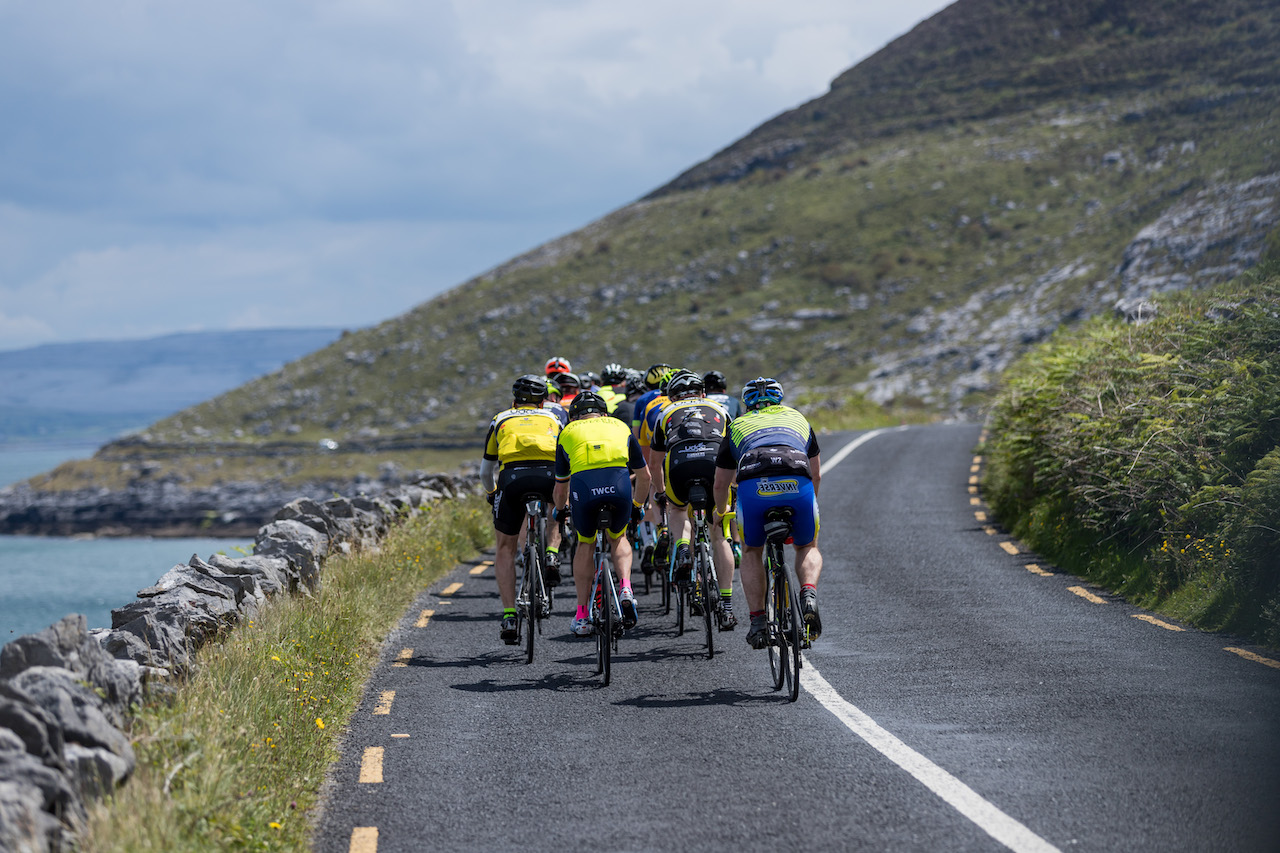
(579, 441)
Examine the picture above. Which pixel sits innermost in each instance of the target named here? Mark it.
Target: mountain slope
(1004, 168)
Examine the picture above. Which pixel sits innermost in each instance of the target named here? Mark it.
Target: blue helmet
(761, 392)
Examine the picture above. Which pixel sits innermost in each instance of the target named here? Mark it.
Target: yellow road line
(980, 515)
(977, 460)
(1154, 621)
(975, 501)
(402, 659)
(424, 619)
(399, 735)
(973, 481)
(973, 469)
(1086, 595)
(486, 562)
(1036, 570)
(384, 703)
(973, 490)
(1248, 655)
(1009, 548)
(364, 839)
(479, 570)
(451, 588)
(371, 765)
(989, 530)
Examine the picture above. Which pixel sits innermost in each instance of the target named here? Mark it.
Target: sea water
(43, 578)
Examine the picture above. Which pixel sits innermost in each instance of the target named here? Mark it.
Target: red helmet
(557, 364)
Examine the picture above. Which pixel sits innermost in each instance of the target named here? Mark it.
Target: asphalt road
(956, 701)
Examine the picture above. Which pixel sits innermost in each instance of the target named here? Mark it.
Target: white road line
(955, 793)
(828, 464)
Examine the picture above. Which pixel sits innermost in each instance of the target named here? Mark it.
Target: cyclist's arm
(489, 474)
(720, 489)
(635, 461)
(814, 473)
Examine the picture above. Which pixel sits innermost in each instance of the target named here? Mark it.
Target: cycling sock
(581, 613)
(755, 613)
(508, 611)
(682, 543)
(812, 586)
(625, 583)
(725, 596)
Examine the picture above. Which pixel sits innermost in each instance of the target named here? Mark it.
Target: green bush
(1148, 457)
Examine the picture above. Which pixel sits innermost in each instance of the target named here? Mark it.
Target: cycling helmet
(530, 389)
(586, 403)
(761, 392)
(653, 375)
(666, 378)
(714, 382)
(636, 383)
(590, 379)
(685, 383)
(557, 364)
(566, 381)
(613, 373)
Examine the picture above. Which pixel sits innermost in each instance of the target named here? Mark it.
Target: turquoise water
(43, 578)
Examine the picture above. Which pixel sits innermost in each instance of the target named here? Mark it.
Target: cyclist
(519, 459)
(647, 531)
(683, 450)
(594, 458)
(569, 385)
(773, 452)
(612, 389)
(556, 364)
(633, 388)
(718, 390)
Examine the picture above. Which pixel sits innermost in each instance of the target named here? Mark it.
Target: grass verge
(235, 757)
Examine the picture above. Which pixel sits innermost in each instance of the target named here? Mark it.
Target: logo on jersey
(606, 490)
(767, 488)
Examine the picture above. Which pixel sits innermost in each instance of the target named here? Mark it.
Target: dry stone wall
(66, 692)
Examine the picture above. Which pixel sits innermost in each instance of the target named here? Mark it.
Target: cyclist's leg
(504, 569)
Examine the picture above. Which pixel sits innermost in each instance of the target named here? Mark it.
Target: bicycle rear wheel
(774, 610)
(710, 593)
(607, 640)
(795, 636)
(532, 608)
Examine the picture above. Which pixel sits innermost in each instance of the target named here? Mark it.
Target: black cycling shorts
(687, 463)
(590, 490)
(516, 481)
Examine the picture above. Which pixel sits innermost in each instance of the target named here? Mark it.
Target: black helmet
(530, 389)
(654, 374)
(589, 378)
(613, 373)
(565, 381)
(636, 383)
(761, 392)
(587, 402)
(685, 383)
(714, 382)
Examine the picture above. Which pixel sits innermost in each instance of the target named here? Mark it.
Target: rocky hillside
(1006, 167)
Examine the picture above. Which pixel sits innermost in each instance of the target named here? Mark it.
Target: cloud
(164, 164)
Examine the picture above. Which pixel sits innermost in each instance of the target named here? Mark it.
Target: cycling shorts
(696, 460)
(589, 490)
(514, 482)
(757, 496)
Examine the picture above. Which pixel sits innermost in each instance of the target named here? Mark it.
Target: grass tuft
(235, 757)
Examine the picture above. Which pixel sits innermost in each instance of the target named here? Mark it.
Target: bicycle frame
(604, 607)
(782, 602)
(533, 599)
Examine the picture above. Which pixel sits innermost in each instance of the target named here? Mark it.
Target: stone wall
(66, 692)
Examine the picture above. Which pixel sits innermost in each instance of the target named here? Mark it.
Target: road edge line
(984, 814)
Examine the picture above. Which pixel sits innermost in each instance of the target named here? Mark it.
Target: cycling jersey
(522, 434)
(624, 411)
(561, 413)
(732, 405)
(689, 433)
(642, 402)
(611, 397)
(768, 441)
(649, 418)
(593, 456)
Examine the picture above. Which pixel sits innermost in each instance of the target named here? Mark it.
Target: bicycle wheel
(772, 615)
(794, 637)
(607, 640)
(532, 582)
(778, 597)
(710, 593)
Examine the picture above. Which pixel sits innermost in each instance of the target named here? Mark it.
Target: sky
(178, 166)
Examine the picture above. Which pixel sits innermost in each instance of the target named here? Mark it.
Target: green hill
(1004, 168)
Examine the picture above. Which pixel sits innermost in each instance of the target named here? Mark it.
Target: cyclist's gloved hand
(561, 513)
(491, 497)
(637, 513)
(662, 500)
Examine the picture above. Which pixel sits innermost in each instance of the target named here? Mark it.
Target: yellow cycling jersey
(592, 443)
(611, 397)
(649, 418)
(523, 434)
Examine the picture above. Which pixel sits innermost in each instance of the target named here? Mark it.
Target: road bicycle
(605, 610)
(662, 552)
(787, 632)
(534, 598)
